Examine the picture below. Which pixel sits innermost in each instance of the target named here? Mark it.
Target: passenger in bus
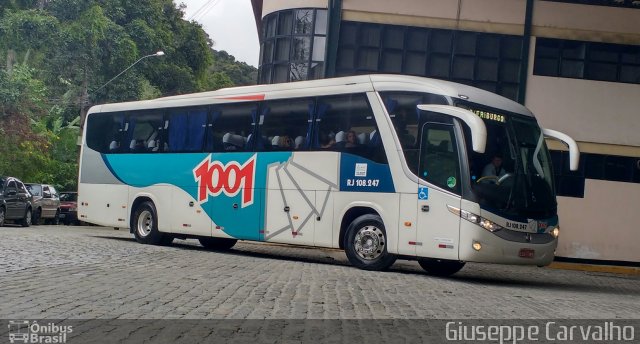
(494, 168)
(282, 142)
(351, 140)
(327, 141)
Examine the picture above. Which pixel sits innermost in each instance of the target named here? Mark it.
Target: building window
(293, 46)
(614, 168)
(587, 60)
(488, 61)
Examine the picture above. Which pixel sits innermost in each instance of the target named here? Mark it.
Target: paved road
(93, 272)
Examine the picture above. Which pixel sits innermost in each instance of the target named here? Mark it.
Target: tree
(59, 54)
(22, 98)
(238, 72)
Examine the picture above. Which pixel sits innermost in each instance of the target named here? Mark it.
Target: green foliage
(29, 29)
(59, 54)
(218, 80)
(20, 92)
(239, 73)
(35, 143)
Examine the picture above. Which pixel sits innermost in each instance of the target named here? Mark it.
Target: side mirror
(574, 151)
(478, 129)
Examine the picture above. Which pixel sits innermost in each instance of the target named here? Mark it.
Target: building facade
(574, 63)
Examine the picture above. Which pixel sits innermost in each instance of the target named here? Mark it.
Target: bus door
(438, 229)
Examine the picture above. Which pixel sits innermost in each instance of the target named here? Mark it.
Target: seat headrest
(233, 139)
(362, 138)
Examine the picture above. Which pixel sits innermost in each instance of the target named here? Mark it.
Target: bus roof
(351, 84)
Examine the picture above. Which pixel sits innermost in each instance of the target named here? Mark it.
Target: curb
(623, 270)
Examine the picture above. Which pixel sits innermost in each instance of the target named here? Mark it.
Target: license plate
(526, 253)
(62, 216)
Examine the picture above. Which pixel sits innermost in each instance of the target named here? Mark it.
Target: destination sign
(489, 116)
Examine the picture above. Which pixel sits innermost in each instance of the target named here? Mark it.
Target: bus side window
(105, 132)
(286, 124)
(407, 120)
(348, 125)
(141, 130)
(186, 130)
(231, 127)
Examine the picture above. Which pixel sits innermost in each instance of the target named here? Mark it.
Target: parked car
(46, 204)
(15, 202)
(69, 207)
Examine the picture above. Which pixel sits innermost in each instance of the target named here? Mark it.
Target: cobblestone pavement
(93, 272)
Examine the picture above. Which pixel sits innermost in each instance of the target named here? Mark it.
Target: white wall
(602, 225)
(604, 19)
(589, 111)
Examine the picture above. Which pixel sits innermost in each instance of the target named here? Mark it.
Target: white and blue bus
(382, 166)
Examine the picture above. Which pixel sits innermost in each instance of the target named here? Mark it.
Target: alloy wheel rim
(145, 223)
(369, 242)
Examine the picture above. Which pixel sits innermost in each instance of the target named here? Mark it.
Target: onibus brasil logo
(25, 331)
(215, 178)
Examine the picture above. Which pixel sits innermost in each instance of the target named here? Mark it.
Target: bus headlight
(477, 219)
(489, 225)
(555, 232)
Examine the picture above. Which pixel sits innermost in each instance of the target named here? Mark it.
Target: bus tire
(440, 267)
(365, 244)
(145, 224)
(217, 244)
(26, 220)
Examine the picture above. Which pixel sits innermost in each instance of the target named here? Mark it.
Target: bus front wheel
(440, 267)
(366, 244)
(145, 225)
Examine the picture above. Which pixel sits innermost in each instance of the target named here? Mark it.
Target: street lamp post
(85, 101)
(159, 53)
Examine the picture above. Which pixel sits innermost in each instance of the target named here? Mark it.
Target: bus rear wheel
(440, 267)
(145, 225)
(366, 244)
(217, 244)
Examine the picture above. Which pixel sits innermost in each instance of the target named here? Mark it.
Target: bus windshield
(514, 176)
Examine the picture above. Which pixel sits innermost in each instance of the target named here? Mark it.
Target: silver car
(46, 203)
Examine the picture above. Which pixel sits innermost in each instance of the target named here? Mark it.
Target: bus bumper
(480, 245)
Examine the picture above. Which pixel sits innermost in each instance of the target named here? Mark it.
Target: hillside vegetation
(59, 54)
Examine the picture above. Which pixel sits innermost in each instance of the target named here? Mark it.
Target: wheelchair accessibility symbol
(423, 193)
